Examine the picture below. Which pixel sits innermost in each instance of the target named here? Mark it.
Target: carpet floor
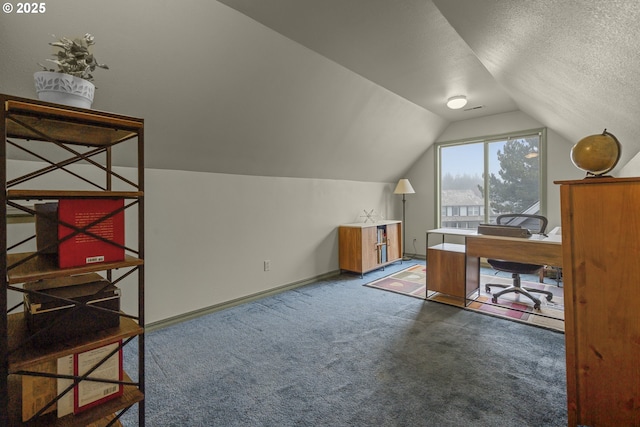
(412, 282)
(337, 353)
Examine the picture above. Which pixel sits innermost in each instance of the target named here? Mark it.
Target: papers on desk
(555, 238)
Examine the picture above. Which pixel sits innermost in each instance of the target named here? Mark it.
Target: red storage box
(83, 249)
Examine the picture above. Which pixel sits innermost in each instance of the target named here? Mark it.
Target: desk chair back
(518, 268)
(535, 223)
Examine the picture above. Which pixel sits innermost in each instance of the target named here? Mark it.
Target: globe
(596, 154)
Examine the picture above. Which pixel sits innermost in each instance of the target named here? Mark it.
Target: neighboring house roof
(461, 198)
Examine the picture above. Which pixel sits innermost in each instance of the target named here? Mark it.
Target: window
(482, 178)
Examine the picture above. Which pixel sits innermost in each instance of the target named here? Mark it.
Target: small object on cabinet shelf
(55, 320)
(81, 249)
(371, 216)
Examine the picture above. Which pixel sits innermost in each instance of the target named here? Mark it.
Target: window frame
(486, 140)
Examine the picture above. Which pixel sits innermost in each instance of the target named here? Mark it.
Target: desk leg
(472, 277)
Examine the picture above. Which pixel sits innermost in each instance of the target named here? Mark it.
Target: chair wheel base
(536, 303)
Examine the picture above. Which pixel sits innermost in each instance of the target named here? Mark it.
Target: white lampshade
(457, 102)
(404, 187)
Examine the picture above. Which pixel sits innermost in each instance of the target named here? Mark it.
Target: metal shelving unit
(77, 145)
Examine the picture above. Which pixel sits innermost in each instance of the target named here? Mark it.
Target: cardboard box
(39, 391)
(82, 248)
(58, 320)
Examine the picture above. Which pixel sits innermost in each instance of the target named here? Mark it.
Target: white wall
(207, 235)
(631, 169)
(421, 208)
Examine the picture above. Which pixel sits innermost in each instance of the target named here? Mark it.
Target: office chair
(518, 268)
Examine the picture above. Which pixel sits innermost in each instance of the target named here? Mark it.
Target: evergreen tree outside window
(482, 178)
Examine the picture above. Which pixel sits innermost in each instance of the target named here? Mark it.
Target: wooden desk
(537, 249)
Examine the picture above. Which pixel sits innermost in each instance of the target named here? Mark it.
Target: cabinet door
(350, 248)
(369, 248)
(446, 272)
(601, 242)
(394, 242)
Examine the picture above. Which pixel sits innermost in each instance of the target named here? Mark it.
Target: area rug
(412, 282)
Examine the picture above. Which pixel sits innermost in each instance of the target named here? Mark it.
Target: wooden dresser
(601, 265)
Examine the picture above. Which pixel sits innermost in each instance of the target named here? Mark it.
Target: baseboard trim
(150, 327)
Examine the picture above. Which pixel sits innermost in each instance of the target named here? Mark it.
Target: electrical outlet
(267, 265)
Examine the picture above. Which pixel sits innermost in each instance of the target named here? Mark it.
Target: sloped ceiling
(572, 65)
(405, 46)
(339, 89)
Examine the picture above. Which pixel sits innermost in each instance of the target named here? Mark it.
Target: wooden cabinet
(72, 151)
(450, 270)
(601, 250)
(368, 246)
(452, 273)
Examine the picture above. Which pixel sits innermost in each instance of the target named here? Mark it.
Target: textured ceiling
(572, 65)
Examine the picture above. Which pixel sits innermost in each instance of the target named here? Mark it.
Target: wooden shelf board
(45, 267)
(56, 194)
(450, 247)
(69, 125)
(30, 354)
(130, 396)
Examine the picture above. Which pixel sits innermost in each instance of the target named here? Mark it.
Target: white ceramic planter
(64, 89)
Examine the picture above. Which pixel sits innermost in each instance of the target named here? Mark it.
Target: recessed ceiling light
(457, 102)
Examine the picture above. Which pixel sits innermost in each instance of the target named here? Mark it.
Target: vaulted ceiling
(340, 89)
(572, 65)
(406, 46)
